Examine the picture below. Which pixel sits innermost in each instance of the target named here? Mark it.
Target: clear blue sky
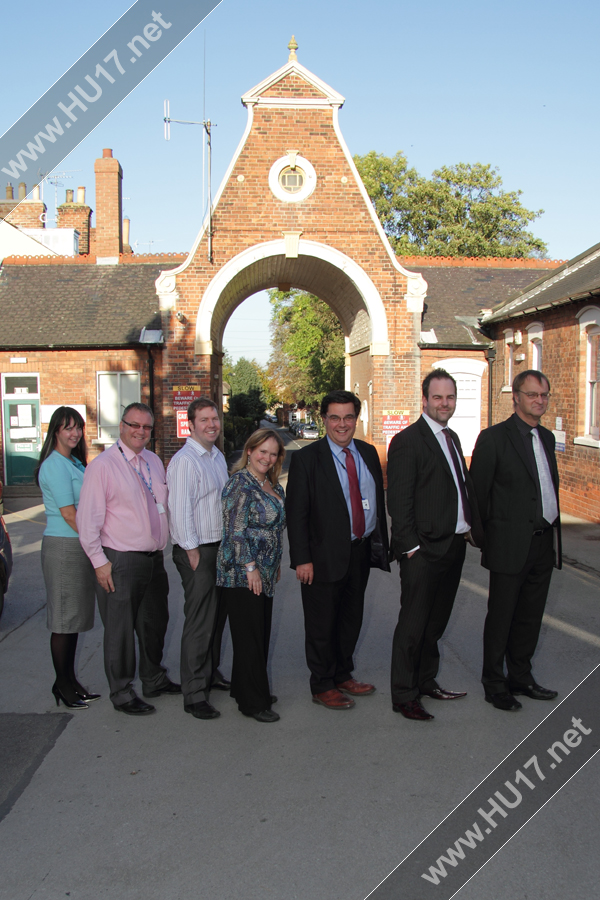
(512, 84)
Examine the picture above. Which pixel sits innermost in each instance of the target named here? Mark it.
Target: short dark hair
(340, 397)
(436, 373)
(199, 403)
(60, 418)
(522, 376)
(141, 407)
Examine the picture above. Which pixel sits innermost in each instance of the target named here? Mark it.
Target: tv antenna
(54, 179)
(207, 126)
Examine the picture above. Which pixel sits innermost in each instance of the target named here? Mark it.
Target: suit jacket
(318, 520)
(506, 490)
(422, 495)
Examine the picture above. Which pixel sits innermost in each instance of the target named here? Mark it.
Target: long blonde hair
(255, 440)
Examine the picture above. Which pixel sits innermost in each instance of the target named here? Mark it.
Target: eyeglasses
(136, 425)
(533, 395)
(347, 420)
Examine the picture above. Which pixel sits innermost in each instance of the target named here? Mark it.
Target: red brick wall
(69, 377)
(77, 215)
(27, 215)
(563, 361)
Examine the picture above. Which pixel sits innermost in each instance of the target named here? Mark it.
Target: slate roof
(457, 294)
(77, 306)
(577, 279)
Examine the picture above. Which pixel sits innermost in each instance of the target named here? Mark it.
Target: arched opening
(316, 269)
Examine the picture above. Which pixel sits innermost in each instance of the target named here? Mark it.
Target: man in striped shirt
(195, 477)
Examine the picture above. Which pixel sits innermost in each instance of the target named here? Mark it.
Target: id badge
(160, 507)
(365, 504)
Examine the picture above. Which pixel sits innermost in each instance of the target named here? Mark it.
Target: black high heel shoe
(85, 696)
(58, 696)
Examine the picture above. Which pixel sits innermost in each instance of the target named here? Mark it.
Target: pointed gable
(293, 85)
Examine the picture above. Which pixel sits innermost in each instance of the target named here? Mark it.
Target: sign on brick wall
(182, 397)
(394, 421)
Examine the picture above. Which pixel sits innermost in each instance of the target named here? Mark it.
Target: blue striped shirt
(196, 478)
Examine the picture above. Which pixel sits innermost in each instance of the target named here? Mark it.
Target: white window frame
(589, 325)
(108, 439)
(509, 359)
(535, 333)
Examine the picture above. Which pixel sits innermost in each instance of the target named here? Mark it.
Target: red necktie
(358, 513)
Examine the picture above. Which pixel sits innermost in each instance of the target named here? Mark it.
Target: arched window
(535, 333)
(589, 330)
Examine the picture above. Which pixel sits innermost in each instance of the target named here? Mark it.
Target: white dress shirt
(461, 523)
(196, 478)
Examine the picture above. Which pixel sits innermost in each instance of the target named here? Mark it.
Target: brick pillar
(108, 233)
(76, 215)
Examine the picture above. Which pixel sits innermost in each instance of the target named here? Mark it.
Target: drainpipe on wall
(490, 355)
(151, 392)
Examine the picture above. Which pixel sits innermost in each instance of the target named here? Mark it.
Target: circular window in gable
(292, 183)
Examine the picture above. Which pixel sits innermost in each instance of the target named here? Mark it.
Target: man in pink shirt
(123, 528)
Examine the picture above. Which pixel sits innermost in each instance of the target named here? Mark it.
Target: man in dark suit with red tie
(434, 512)
(515, 476)
(337, 532)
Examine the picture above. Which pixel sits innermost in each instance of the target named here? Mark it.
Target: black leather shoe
(535, 691)
(504, 701)
(169, 688)
(266, 715)
(219, 683)
(136, 707)
(441, 694)
(202, 710)
(413, 709)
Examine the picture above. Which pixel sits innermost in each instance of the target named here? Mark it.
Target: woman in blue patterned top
(68, 573)
(249, 564)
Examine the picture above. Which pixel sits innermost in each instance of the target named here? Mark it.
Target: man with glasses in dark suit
(516, 481)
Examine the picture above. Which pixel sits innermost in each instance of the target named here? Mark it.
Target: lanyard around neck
(139, 471)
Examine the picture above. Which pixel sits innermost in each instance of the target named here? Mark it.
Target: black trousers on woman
(250, 626)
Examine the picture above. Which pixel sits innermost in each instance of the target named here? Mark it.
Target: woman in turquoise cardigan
(68, 573)
(248, 566)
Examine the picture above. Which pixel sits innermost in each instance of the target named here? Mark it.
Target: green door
(22, 433)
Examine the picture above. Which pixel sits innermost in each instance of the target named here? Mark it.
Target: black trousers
(250, 626)
(333, 615)
(205, 618)
(515, 609)
(428, 589)
(138, 604)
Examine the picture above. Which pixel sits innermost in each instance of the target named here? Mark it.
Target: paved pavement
(319, 805)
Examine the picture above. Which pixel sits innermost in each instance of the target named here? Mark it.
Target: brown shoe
(356, 688)
(333, 699)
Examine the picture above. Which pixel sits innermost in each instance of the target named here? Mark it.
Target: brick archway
(326, 239)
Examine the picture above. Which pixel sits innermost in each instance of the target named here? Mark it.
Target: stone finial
(292, 47)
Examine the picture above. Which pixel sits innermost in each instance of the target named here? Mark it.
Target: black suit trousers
(333, 614)
(205, 616)
(138, 604)
(515, 610)
(428, 589)
(250, 625)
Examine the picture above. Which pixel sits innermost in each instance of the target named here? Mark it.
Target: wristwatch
(251, 567)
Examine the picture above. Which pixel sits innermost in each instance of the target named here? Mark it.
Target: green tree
(307, 359)
(461, 210)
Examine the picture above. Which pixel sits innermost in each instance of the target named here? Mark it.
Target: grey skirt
(70, 585)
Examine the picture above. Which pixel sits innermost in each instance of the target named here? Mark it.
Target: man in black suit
(433, 510)
(337, 532)
(516, 481)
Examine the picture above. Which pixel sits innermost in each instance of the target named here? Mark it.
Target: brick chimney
(108, 243)
(23, 213)
(76, 215)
